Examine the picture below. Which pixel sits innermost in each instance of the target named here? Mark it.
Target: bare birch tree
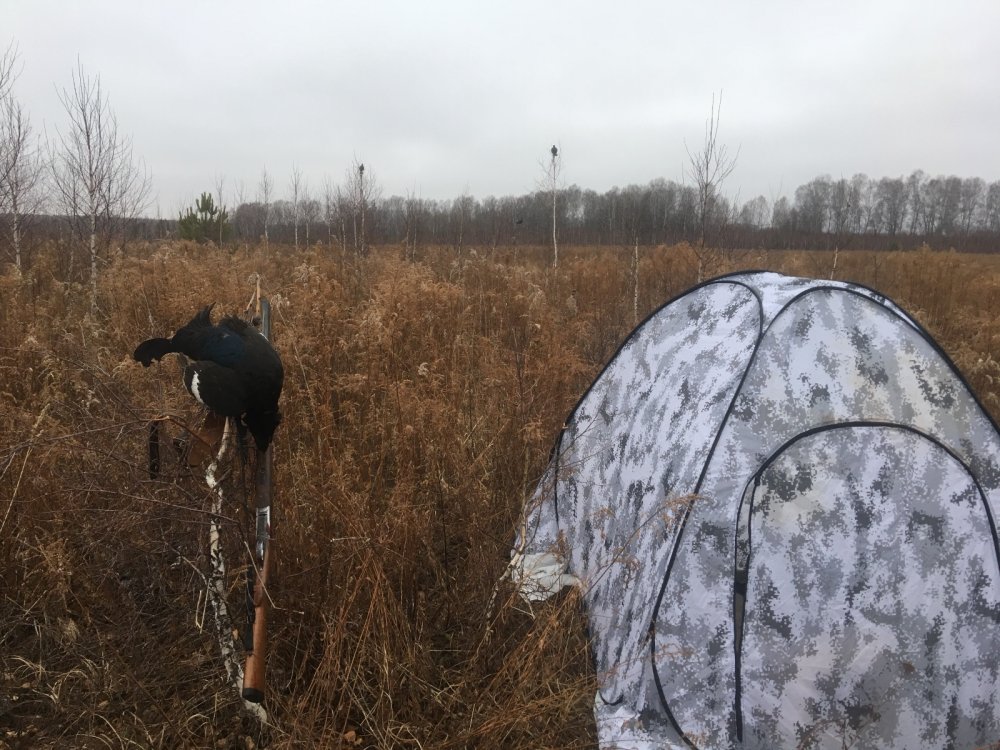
(362, 192)
(311, 211)
(552, 183)
(20, 158)
(265, 189)
(329, 209)
(239, 228)
(297, 187)
(344, 209)
(461, 214)
(708, 168)
(97, 180)
(412, 210)
(220, 187)
(636, 202)
(21, 168)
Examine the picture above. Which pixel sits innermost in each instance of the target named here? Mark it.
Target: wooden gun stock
(253, 671)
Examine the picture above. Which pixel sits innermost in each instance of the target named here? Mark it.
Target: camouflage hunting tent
(779, 499)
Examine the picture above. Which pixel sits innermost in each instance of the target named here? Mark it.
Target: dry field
(420, 403)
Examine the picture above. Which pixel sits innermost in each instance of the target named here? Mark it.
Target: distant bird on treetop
(234, 370)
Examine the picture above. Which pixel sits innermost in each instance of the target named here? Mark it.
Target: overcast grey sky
(439, 98)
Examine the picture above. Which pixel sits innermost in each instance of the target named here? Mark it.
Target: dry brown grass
(420, 403)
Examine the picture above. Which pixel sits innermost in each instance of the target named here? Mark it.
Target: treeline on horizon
(825, 213)
(860, 212)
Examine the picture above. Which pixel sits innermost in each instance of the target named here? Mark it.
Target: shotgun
(253, 672)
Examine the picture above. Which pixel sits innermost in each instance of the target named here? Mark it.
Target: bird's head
(181, 341)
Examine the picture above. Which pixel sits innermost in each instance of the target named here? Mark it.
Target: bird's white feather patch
(194, 388)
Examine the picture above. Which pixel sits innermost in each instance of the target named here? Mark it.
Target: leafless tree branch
(708, 168)
(98, 182)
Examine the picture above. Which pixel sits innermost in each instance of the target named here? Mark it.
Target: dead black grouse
(233, 370)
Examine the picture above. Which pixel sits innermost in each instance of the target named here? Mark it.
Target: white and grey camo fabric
(780, 500)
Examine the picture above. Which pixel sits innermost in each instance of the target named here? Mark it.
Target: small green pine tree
(204, 222)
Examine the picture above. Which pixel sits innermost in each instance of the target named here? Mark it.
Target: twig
(34, 430)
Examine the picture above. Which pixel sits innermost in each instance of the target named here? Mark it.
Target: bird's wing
(217, 387)
(222, 346)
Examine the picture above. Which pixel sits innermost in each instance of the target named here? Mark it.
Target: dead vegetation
(421, 401)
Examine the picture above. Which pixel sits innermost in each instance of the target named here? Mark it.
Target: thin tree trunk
(16, 236)
(15, 231)
(555, 242)
(364, 247)
(635, 281)
(93, 260)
